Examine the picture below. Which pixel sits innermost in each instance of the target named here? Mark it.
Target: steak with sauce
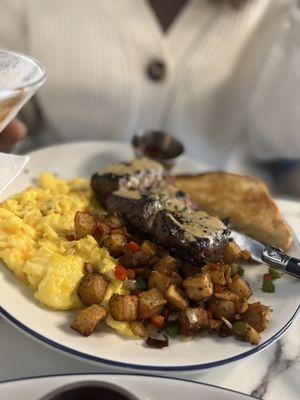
(141, 174)
(140, 208)
(147, 202)
(194, 234)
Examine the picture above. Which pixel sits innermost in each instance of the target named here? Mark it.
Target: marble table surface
(272, 374)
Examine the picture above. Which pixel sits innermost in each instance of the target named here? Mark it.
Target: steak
(133, 207)
(146, 200)
(139, 209)
(140, 174)
(194, 234)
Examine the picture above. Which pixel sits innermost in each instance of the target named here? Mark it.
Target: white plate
(143, 387)
(106, 347)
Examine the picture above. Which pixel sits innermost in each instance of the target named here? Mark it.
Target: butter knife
(271, 255)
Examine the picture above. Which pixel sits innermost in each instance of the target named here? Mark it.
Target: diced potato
(87, 319)
(214, 324)
(149, 248)
(138, 329)
(198, 287)
(232, 253)
(217, 276)
(241, 288)
(85, 224)
(88, 268)
(227, 295)
(92, 288)
(114, 243)
(251, 335)
(257, 315)
(151, 303)
(246, 256)
(140, 259)
(192, 320)
(122, 231)
(102, 229)
(159, 281)
(176, 279)
(222, 308)
(240, 308)
(123, 307)
(166, 265)
(176, 298)
(113, 222)
(227, 274)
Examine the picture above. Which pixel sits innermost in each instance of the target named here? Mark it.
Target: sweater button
(156, 70)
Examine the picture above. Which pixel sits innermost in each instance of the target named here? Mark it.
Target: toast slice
(244, 199)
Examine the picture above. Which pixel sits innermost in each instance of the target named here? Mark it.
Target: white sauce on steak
(198, 224)
(128, 194)
(132, 168)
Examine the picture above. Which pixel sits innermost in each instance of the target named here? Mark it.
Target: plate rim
(71, 352)
(96, 374)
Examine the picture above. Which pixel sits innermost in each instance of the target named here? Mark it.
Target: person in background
(221, 75)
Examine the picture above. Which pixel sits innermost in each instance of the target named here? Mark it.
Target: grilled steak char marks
(143, 196)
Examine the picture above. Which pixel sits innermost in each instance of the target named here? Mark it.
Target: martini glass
(20, 78)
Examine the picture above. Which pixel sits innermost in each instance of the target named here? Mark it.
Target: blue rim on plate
(103, 361)
(170, 378)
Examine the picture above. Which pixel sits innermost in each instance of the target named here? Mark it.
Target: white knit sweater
(233, 77)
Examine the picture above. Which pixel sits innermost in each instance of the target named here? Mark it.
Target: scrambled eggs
(33, 229)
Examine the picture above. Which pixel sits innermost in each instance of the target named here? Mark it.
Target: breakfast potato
(123, 307)
(241, 288)
(241, 308)
(214, 324)
(192, 320)
(166, 265)
(217, 275)
(138, 329)
(227, 295)
(176, 298)
(257, 315)
(87, 319)
(85, 224)
(222, 308)
(251, 335)
(151, 303)
(123, 231)
(232, 253)
(92, 288)
(114, 222)
(198, 287)
(114, 243)
(149, 248)
(139, 259)
(176, 279)
(159, 281)
(101, 229)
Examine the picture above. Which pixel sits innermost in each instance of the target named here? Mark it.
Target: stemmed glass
(20, 78)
